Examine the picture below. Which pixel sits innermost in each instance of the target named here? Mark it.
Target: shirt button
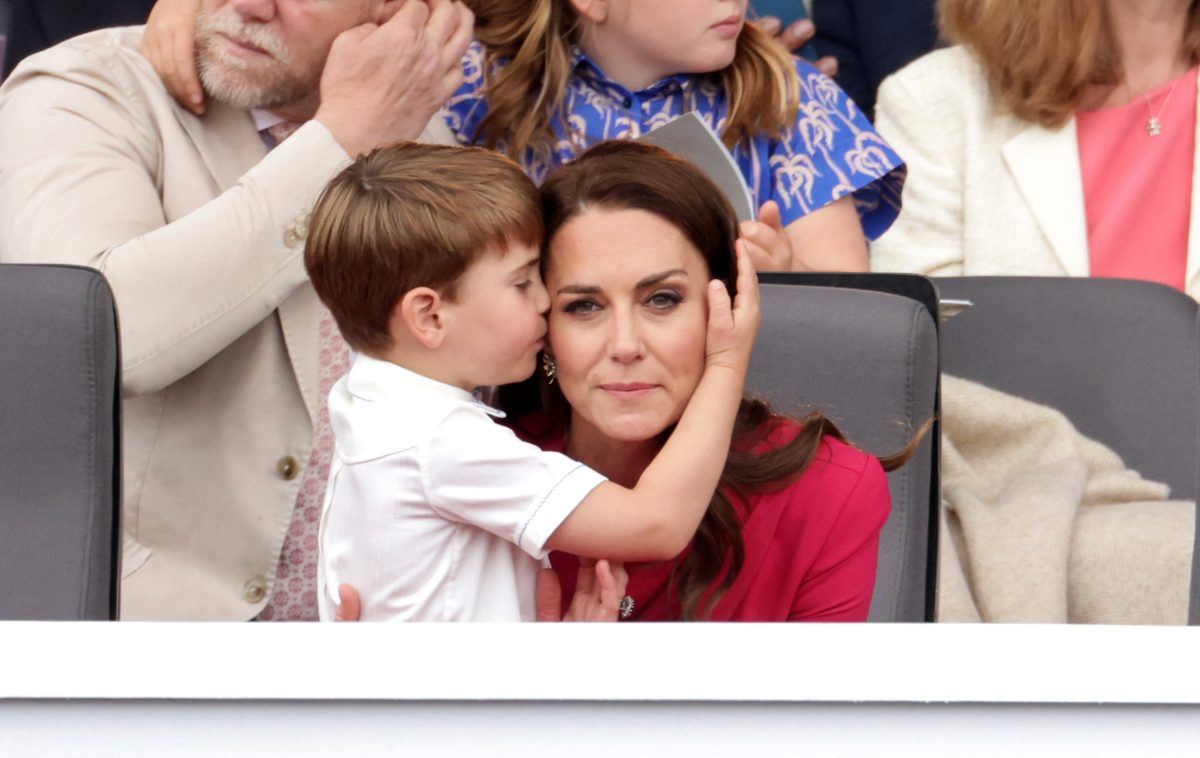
(288, 468)
(627, 102)
(255, 590)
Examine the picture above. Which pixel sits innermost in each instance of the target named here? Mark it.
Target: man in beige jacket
(199, 226)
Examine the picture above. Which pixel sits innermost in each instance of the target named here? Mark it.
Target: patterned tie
(294, 596)
(281, 131)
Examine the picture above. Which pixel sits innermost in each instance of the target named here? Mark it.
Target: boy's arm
(657, 518)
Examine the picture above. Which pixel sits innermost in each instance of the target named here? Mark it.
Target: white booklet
(688, 136)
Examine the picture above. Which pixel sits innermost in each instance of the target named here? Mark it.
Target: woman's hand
(169, 43)
(768, 242)
(349, 608)
(733, 327)
(597, 595)
(598, 591)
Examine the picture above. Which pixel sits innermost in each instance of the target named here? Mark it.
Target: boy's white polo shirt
(433, 511)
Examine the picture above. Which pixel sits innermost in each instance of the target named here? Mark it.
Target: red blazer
(811, 549)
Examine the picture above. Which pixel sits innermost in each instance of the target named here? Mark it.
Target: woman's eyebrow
(578, 289)
(649, 281)
(654, 279)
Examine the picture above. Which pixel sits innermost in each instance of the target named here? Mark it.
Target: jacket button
(291, 238)
(255, 590)
(288, 468)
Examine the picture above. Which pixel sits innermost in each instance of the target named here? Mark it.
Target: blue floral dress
(830, 152)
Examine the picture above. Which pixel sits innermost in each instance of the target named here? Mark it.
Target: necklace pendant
(626, 607)
(1154, 126)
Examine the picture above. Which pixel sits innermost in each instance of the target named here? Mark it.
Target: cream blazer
(201, 234)
(987, 193)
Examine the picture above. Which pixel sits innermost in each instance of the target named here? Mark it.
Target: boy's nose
(541, 297)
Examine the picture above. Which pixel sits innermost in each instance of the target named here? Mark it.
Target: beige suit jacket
(986, 193)
(201, 234)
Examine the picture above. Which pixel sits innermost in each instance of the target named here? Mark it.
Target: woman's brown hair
(528, 61)
(1044, 59)
(632, 175)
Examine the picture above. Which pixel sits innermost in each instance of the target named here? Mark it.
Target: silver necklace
(1154, 124)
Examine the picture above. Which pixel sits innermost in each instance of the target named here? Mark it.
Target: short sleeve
(468, 105)
(841, 581)
(478, 472)
(832, 151)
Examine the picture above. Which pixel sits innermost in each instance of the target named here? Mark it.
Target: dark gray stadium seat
(869, 360)
(59, 444)
(1118, 357)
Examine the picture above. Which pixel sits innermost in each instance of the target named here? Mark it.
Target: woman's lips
(628, 390)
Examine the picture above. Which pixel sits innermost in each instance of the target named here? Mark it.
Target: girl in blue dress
(546, 79)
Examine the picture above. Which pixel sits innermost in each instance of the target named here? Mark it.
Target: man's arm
(93, 173)
(199, 238)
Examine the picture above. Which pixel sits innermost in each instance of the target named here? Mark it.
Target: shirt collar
(264, 119)
(590, 71)
(376, 381)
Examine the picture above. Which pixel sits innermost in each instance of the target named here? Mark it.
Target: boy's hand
(768, 242)
(732, 328)
(169, 43)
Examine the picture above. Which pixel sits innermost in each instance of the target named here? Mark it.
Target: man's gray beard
(229, 80)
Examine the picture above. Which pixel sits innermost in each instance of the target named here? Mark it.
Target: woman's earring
(549, 367)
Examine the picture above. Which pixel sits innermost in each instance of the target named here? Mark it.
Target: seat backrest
(1194, 604)
(1117, 357)
(59, 444)
(869, 361)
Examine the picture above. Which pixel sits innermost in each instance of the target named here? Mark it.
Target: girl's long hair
(535, 39)
(631, 175)
(1045, 59)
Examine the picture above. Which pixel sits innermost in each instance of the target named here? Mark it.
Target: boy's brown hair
(411, 215)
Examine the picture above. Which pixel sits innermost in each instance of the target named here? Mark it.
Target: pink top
(1137, 188)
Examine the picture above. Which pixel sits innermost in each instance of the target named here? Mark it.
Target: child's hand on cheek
(768, 243)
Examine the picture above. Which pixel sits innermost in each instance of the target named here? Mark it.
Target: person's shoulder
(838, 470)
(844, 457)
(105, 52)
(947, 70)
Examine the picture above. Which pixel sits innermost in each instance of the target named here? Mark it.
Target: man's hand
(382, 83)
(795, 37)
(170, 45)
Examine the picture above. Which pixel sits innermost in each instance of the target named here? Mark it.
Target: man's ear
(419, 312)
(593, 10)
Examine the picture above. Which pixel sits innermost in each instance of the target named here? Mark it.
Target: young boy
(427, 256)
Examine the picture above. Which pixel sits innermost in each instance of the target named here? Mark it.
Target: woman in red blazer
(634, 235)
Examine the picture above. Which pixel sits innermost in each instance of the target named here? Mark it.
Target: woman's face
(627, 323)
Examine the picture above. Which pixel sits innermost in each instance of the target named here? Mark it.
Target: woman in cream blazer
(991, 188)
